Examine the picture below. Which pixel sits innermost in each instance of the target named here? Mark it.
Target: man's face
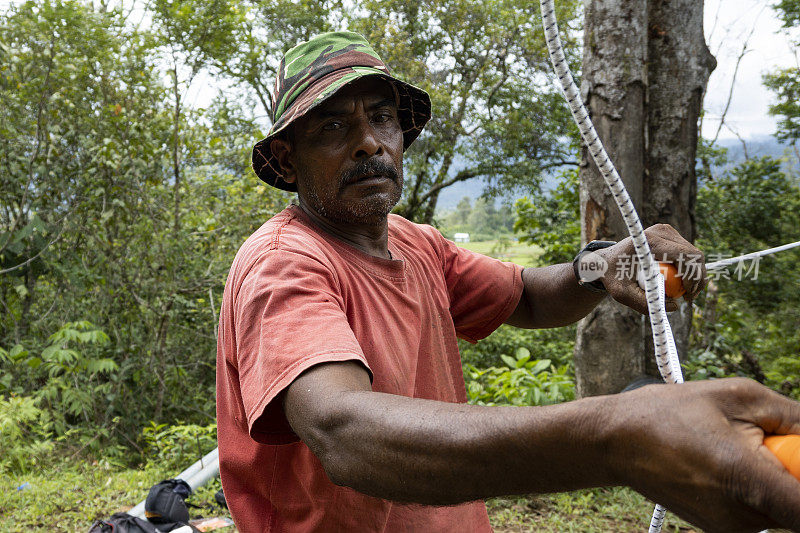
(347, 154)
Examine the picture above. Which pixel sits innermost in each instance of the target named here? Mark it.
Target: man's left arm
(552, 296)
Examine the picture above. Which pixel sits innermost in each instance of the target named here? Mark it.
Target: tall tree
(645, 67)
(69, 145)
(786, 82)
(89, 224)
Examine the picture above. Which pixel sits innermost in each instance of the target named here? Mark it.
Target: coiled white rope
(666, 353)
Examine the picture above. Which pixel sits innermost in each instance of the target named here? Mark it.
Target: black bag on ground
(125, 523)
(220, 497)
(166, 502)
(122, 523)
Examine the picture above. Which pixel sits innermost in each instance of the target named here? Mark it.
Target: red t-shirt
(296, 297)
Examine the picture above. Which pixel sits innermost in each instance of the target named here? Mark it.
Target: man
(340, 397)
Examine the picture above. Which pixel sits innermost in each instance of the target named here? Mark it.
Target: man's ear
(282, 150)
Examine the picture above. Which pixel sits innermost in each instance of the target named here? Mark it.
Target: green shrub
(552, 221)
(555, 344)
(24, 434)
(524, 381)
(69, 376)
(175, 447)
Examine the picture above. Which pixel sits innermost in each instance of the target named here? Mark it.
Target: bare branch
(462, 175)
(741, 140)
(716, 22)
(741, 55)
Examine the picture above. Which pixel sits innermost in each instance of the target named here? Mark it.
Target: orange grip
(787, 449)
(673, 286)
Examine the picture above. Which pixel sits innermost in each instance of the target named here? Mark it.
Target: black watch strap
(579, 267)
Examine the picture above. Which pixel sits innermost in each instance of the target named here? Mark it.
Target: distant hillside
(473, 188)
(756, 147)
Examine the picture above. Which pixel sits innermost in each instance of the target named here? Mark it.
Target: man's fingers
(757, 405)
(773, 492)
(779, 416)
(627, 292)
(693, 285)
(764, 485)
(669, 246)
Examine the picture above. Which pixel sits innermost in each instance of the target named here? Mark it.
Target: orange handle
(673, 286)
(787, 449)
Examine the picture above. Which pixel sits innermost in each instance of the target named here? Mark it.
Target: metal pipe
(209, 472)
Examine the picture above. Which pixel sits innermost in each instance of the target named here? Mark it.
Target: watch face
(591, 267)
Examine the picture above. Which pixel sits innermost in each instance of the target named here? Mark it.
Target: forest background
(122, 205)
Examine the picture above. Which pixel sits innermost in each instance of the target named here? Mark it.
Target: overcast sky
(727, 26)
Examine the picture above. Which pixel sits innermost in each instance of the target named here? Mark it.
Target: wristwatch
(590, 274)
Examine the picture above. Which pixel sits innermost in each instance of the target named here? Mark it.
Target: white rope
(718, 265)
(666, 354)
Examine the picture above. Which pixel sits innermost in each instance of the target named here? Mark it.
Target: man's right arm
(695, 447)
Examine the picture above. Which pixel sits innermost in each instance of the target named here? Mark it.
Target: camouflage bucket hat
(312, 72)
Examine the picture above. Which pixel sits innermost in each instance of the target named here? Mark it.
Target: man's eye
(383, 117)
(331, 126)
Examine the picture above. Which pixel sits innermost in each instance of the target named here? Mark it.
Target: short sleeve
(288, 317)
(483, 291)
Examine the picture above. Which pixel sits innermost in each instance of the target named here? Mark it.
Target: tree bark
(645, 67)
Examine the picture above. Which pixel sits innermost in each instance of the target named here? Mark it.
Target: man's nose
(366, 143)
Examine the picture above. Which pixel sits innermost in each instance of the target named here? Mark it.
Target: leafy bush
(747, 324)
(554, 344)
(60, 391)
(175, 447)
(68, 376)
(524, 381)
(24, 434)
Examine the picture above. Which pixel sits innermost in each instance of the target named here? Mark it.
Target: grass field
(69, 499)
(516, 252)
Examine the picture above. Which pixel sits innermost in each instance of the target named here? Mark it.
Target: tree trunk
(645, 66)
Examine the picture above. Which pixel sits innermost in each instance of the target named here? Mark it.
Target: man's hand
(553, 298)
(697, 448)
(667, 245)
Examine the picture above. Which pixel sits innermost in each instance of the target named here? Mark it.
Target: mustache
(369, 167)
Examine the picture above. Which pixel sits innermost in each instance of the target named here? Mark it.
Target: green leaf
(24, 232)
(95, 366)
(512, 363)
(21, 290)
(17, 352)
(47, 353)
(540, 365)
